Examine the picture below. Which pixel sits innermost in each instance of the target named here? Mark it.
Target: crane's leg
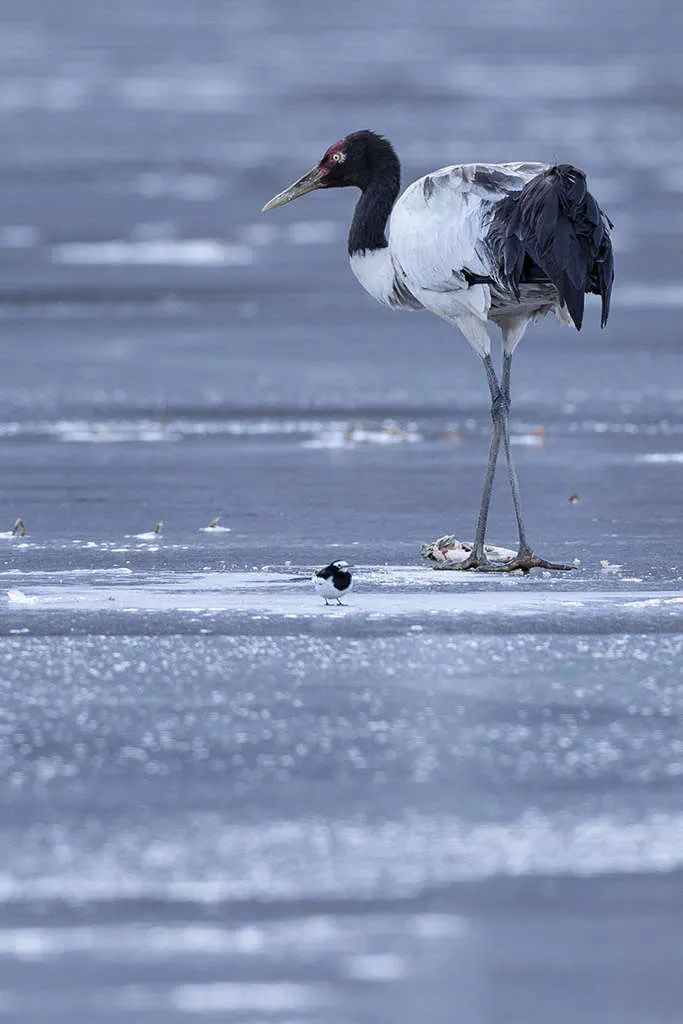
(477, 558)
(525, 558)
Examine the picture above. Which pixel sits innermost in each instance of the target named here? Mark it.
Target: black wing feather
(554, 225)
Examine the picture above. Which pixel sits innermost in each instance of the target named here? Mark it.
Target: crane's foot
(525, 560)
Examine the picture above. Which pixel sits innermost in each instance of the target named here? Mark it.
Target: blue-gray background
(353, 819)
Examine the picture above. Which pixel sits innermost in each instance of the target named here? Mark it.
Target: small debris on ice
(215, 527)
(573, 499)
(18, 530)
(151, 534)
(19, 597)
(610, 568)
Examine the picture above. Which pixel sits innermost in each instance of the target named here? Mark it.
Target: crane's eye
(337, 157)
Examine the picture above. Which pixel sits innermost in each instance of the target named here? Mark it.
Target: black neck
(372, 211)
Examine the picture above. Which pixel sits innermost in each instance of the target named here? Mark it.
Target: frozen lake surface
(220, 799)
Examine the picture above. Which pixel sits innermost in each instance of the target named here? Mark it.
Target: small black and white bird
(333, 581)
(473, 243)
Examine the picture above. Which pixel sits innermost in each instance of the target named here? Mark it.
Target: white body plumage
(333, 581)
(435, 230)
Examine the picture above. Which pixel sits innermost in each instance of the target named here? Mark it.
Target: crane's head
(354, 160)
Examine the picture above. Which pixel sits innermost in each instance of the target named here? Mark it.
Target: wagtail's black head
(338, 571)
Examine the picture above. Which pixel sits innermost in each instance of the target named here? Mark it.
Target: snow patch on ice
(661, 458)
(167, 252)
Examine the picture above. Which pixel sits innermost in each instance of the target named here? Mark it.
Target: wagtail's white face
(340, 565)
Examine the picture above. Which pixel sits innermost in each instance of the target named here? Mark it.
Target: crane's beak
(310, 181)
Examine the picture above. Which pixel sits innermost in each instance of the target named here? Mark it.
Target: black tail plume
(554, 224)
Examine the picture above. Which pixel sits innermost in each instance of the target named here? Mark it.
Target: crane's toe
(525, 560)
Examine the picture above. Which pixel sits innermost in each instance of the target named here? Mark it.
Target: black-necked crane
(473, 243)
